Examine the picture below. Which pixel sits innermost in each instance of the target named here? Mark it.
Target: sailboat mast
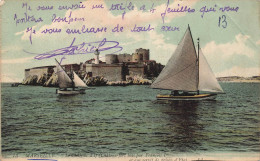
(72, 77)
(198, 92)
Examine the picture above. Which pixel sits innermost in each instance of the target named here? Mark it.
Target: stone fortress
(116, 68)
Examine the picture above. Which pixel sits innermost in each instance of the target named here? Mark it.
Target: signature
(83, 48)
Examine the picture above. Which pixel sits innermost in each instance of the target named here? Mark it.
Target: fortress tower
(111, 59)
(141, 55)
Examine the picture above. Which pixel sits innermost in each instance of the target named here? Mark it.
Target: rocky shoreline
(237, 79)
(91, 81)
(101, 81)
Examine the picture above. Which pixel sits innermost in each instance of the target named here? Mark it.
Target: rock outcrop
(90, 81)
(95, 81)
(52, 81)
(31, 80)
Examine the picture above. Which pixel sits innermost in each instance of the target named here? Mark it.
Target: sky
(230, 40)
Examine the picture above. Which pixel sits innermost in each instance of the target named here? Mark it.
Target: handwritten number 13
(223, 22)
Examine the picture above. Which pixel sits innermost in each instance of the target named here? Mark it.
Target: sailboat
(187, 74)
(67, 85)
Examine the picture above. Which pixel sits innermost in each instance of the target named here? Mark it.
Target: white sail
(181, 71)
(77, 81)
(63, 79)
(207, 79)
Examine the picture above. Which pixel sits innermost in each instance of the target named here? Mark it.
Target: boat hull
(194, 97)
(70, 92)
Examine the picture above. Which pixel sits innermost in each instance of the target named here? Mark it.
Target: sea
(112, 121)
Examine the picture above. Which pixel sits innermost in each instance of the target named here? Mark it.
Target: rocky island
(122, 69)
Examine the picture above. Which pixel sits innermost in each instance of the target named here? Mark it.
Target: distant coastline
(238, 79)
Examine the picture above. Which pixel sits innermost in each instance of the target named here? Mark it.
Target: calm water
(127, 120)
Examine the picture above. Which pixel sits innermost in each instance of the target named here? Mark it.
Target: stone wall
(111, 72)
(124, 58)
(136, 70)
(38, 71)
(111, 58)
(38, 75)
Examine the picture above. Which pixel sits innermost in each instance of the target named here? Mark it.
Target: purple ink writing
(32, 31)
(84, 30)
(169, 28)
(118, 29)
(206, 9)
(83, 48)
(121, 7)
(142, 29)
(51, 31)
(118, 6)
(44, 8)
(222, 20)
(228, 8)
(72, 7)
(142, 8)
(26, 19)
(152, 9)
(68, 19)
(179, 9)
(97, 6)
(26, 6)
(130, 6)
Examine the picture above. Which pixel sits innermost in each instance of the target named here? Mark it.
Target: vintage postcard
(131, 80)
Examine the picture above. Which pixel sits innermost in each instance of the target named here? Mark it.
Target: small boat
(187, 74)
(67, 85)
